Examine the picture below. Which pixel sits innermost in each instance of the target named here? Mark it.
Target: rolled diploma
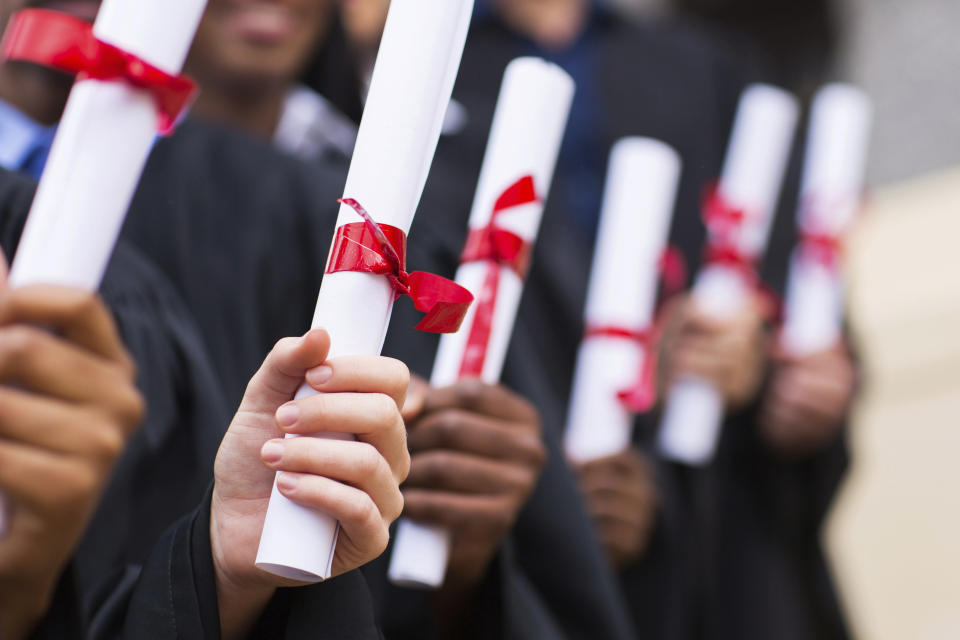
(98, 154)
(525, 138)
(833, 179)
(412, 81)
(640, 196)
(752, 177)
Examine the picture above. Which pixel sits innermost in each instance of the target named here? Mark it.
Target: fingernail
(319, 375)
(272, 451)
(287, 481)
(288, 414)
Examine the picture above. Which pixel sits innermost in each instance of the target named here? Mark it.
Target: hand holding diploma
(129, 88)
(354, 480)
(525, 139)
(738, 214)
(813, 379)
(412, 81)
(70, 404)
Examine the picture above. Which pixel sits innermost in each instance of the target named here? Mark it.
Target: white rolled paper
(751, 180)
(412, 81)
(528, 128)
(102, 144)
(634, 227)
(833, 180)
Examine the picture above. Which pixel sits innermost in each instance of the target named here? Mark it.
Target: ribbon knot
(641, 396)
(381, 249)
(724, 222)
(497, 247)
(824, 248)
(66, 43)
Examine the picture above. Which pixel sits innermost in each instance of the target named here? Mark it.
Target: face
(248, 42)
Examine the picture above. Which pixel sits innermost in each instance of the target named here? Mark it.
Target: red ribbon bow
(498, 248)
(66, 43)
(642, 395)
(724, 221)
(380, 249)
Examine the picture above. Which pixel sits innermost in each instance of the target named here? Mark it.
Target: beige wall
(894, 536)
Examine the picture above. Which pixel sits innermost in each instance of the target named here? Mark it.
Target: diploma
(412, 81)
(830, 196)
(616, 357)
(525, 138)
(129, 59)
(738, 214)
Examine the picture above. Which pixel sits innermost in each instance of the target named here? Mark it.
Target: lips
(262, 23)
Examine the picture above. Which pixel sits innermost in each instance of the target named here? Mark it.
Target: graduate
(102, 538)
(678, 86)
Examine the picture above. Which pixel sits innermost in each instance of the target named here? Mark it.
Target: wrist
(241, 599)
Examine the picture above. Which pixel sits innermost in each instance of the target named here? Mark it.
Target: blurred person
(685, 570)
(796, 43)
(363, 21)
(251, 56)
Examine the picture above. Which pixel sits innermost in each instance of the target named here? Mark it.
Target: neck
(39, 93)
(256, 112)
(551, 25)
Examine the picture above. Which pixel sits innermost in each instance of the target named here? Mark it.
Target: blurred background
(894, 534)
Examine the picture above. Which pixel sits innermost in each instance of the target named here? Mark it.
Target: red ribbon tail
(642, 396)
(444, 301)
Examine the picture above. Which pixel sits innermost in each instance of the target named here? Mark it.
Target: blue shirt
(580, 166)
(24, 144)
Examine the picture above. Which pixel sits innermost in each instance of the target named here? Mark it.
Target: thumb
(283, 370)
(416, 398)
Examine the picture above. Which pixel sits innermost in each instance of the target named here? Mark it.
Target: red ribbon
(497, 247)
(821, 247)
(66, 43)
(380, 249)
(642, 395)
(724, 221)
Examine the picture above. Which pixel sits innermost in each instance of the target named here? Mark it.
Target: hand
(623, 501)
(807, 401)
(355, 481)
(730, 352)
(477, 454)
(68, 404)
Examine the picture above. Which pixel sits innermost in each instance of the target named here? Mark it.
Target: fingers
(283, 370)
(78, 316)
(39, 361)
(464, 473)
(460, 430)
(354, 463)
(360, 518)
(37, 421)
(27, 473)
(474, 513)
(491, 400)
(362, 374)
(373, 418)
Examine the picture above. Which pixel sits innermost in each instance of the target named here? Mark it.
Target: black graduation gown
(143, 568)
(675, 85)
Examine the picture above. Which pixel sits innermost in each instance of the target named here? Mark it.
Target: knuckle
(17, 342)
(469, 393)
(369, 461)
(384, 410)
